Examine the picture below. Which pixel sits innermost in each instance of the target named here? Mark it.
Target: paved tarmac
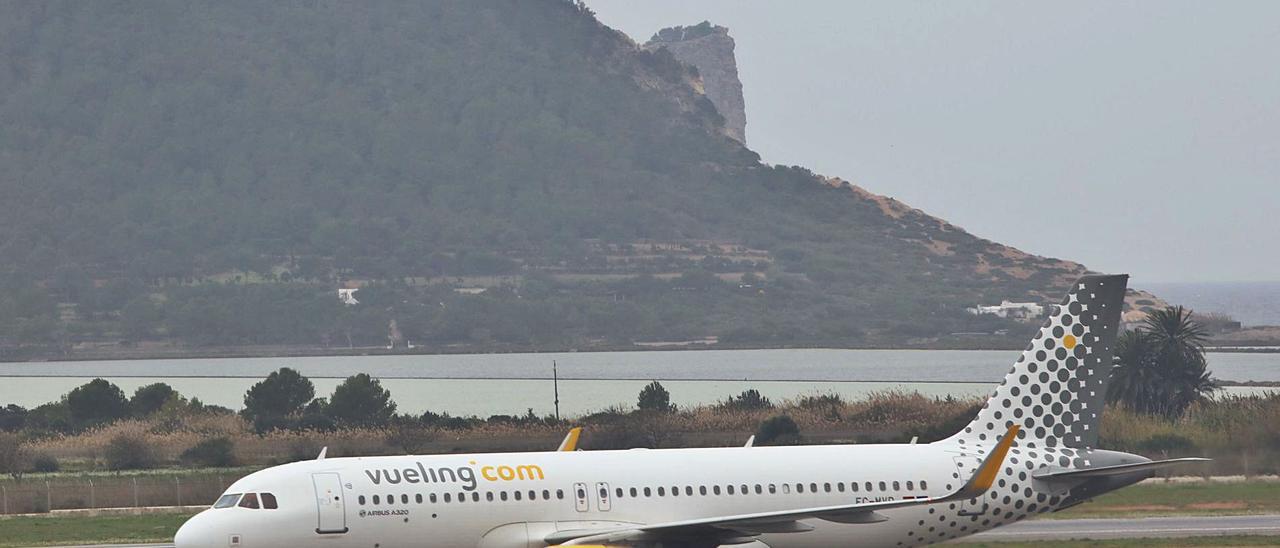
(1066, 529)
(1172, 527)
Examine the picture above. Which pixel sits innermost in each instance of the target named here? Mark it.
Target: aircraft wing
(737, 529)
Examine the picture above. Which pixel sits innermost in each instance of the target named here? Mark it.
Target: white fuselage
(471, 500)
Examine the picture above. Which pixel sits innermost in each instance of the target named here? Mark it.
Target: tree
(653, 397)
(282, 394)
(1160, 367)
(748, 399)
(361, 400)
(96, 402)
(149, 399)
(12, 418)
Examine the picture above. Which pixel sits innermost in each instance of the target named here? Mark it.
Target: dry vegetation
(1242, 434)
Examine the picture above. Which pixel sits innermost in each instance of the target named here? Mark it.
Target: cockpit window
(269, 501)
(226, 501)
(250, 501)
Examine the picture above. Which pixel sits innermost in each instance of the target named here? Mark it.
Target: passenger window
(432, 497)
(462, 497)
(418, 498)
(840, 486)
(759, 489)
(883, 487)
(744, 489)
(730, 488)
(488, 496)
(546, 495)
(813, 488)
(869, 488)
(786, 488)
(559, 494)
(702, 490)
(391, 499)
(360, 500)
(634, 493)
(502, 495)
(911, 486)
(249, 501)
(227, 501)
(688, 490)
(475, 497)
(799, 487)
(581, 494)
(897, 486)
(662, 491)
(447, 498)
(853, 486)
(715, 489)
(533, 495)
(404, 499)
(376, 499)
(648, 492)
(675, 490)
(923, 485)
(619, 492)
(773, 489)
(269, 501)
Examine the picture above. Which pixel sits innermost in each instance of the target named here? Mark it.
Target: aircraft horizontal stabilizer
(1113, 470)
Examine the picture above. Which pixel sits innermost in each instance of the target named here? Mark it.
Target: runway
(1067, 529)
(1170, 527)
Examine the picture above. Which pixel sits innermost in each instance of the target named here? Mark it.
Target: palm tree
(1161, 367)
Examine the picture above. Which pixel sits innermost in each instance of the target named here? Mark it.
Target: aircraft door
(602, 496)
(332, 514)
(580, 501)
(966, 466)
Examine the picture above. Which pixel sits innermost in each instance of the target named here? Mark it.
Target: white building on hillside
(1007, 309)
(348, 296)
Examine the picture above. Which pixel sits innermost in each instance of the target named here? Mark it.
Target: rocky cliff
(709, 48)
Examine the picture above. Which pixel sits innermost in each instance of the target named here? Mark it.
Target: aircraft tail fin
(1056, 390)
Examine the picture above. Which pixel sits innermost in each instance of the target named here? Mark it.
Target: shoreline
(286, 351)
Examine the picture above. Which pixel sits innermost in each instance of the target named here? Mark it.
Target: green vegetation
(653, 397)
(778, 430)
(1202, 498)
(211, 174)
(63, 531)
(1161, 367)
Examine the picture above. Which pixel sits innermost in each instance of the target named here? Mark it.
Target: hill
(497, 174)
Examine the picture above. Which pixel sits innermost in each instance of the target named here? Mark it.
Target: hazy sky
(1139, 137)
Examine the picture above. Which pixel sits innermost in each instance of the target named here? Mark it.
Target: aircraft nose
(194, 533)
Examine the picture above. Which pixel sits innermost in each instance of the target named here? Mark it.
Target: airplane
(1031, 449)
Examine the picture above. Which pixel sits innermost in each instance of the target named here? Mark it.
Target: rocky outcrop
(709, 49)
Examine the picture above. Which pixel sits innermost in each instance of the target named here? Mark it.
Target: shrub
(45, 463)
(13, 455)
(214, 453)
(653, 397)
(747, 400)
(778, 430)
(128, 452)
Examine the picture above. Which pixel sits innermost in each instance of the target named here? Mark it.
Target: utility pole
(555, 383)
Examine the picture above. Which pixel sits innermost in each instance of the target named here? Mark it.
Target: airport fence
(32, 496)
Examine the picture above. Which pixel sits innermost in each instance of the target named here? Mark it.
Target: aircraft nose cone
(193, 534)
